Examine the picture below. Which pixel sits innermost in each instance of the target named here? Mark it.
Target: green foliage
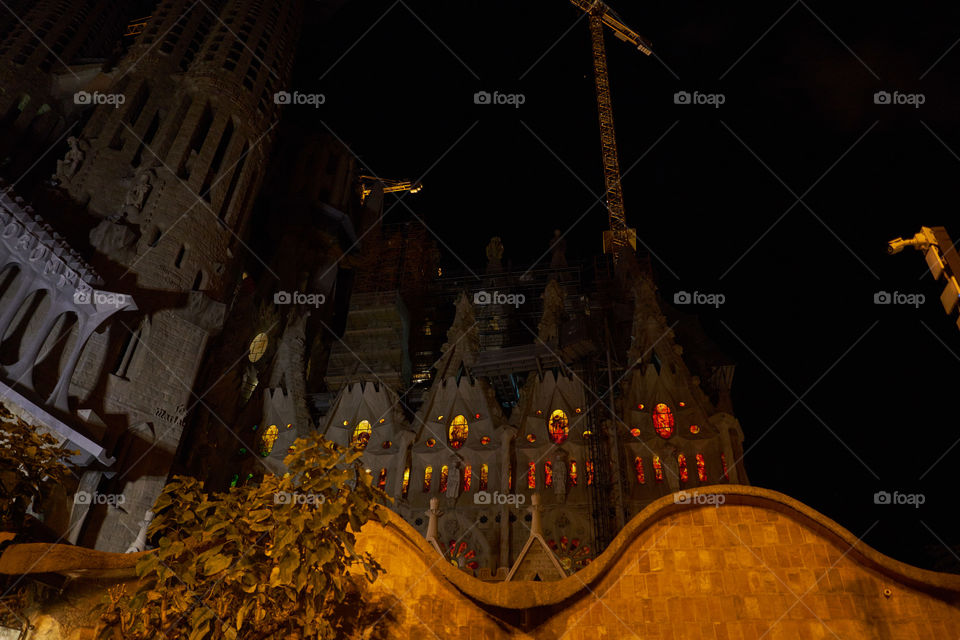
(247, 565)
(31, 464)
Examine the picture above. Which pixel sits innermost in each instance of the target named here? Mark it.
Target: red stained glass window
(382, 480)
(532, 475)
(467, 477)
(682, 464)
(559, 427)
(635, 432)
(444, 476)
(458, 432)
(548, 474)
(427, 479)
(589, 472)
(573, 473)
(638, 467)
(701, 468)
(484, 475)
(657, 469)
(723, 461)
(663, 420)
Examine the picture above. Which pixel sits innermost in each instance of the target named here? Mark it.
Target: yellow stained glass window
(559, 427)
(258, 346)
(484, 476)
(361, 435)
(406, 482)
(427, 479)
(267, 439)
(458, 432)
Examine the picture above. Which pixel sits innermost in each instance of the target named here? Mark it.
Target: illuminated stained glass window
(267, 439)
(682, 464)
(701, 468)
(460, 557)
(723, 462)
(657, 469)
(458, 432)
(361, 435)
(406, 482)
(382, 480)
(427, 479)
(638, 467)
(663, 420)
(467, 477)
(559, 427)
(589, 472)
(444, 476)
(258, 346)
(573, 473)
(532, 475)
(510, 478)
(548, 474)
(484, 475)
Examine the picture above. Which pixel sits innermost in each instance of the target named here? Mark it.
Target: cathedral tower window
(484, 476)
(589, 472)
(427, 479)
(663, 420)
(361, 435)
(638, 467)
(657, 469)
(467, 477)
(382, 480)
(701, 468)
(405, 488)
(444, 477)
(559, 427)
(682, 464)
(532, 475)
(573, 473)
(457, 435)
(258, 346)
(548, 474)
(268, 439)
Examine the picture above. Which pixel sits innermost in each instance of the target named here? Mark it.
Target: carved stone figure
(68, 167)
(549, 327)
(137, 195)
(140, 542)
(453, 480)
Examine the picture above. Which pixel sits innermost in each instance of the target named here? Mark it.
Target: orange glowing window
(635, 432)
(663, 420)
(701, 468)
(427, 478)
(694, 429)
(484, 475)
(657, 469)
(531, 437)
(559, 427)
(444, 476)
(467, 477)
(361, 435)
(548, 474)
(382, 480)
(406, 482)
(682, 464)
(510, 478)
(267, 440)
(485, 440)
(638, 467)
(458, 432)
(723, 461)
(532, 475)
(589, 472)
(573, 473)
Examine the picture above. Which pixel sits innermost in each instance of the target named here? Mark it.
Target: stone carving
(558, 250)
(549, 327)
(68, 167)
(494, 255)
(140, 188)
(463, 339)
(453, 480)
(140, 542)
(559, 474)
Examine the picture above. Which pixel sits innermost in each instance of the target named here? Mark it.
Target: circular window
(387, 444)
(635, 432)
(558, 427)
(587, 433)
(258, 346)
(485, 440)
(531, 437)
(431, 442)
(663, 420)
(694, 428)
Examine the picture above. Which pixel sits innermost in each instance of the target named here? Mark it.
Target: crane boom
(619, 235)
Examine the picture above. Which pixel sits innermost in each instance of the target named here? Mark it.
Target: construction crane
(389, 186)
(616, 239)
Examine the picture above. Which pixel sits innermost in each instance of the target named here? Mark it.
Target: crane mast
(619, 235)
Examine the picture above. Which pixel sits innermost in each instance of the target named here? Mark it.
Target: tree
(265, 560)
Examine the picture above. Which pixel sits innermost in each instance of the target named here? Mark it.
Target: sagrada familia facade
(140, 327)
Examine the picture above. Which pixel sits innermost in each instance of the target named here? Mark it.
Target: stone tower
(170, 176)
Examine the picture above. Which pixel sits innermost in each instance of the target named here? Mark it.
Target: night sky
(782, 199)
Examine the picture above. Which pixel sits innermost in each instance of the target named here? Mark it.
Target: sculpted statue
(549, 327)
(453, 480)
(71, 162)
(139, 190)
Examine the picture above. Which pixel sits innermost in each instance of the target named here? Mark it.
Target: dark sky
(714, 194)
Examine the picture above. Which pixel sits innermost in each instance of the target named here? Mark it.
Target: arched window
(361, 435)
(406, 482)
(548, 474)
(532, 475)
(638, 467)
(682, 464)
(444, 476)
(382, 480)
(559, 427)
(458, 432)
(427, 478)
(723, 462)
(573, 473)
(589, 472)
(657, 469)
(258, 346)
(510, 478)
(267, 439)
(484, 476)
(663, 420)
(467, 477)
(701, 468)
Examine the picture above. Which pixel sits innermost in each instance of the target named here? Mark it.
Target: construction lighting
(942, 259)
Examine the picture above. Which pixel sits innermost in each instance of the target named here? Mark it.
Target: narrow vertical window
(682, 464)
(467, 478)
(657, 469)
(589, 472)
(532, 475)
(573, 473)
(382, 480)
(484, 476)
(638, 467)
(444, 476)
(723, 463)
(548, 474)
(701, 468)
(406, 482)
(427, 479)
(510, 478)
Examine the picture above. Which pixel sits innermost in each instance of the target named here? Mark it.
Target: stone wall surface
(761, 565)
